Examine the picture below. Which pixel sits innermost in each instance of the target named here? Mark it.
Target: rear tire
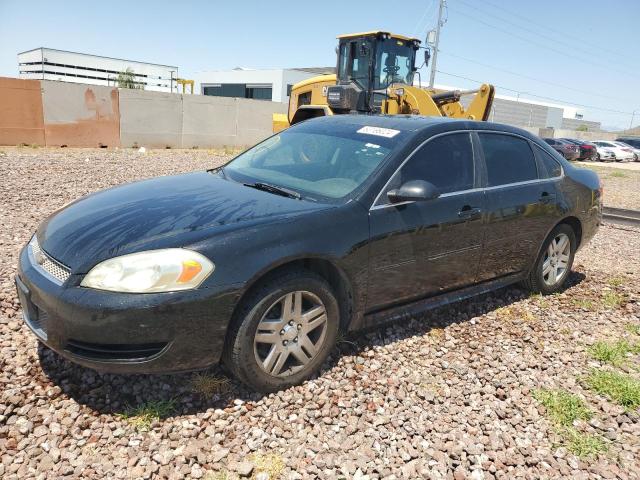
(554, 262)
(282, 331)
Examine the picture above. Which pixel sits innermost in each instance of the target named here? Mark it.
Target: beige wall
(79, 115)
(150, 119)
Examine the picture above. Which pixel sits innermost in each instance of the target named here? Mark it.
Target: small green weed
(142, 416)
(618, 174)
(613, 353)
(612, 300)
(584, 303)
(616, 281)
(619, 387)
(208, 385)
(633, 328)
(584, 445)
(271, 464)
(563, 408)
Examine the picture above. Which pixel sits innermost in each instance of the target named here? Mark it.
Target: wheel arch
(337, 278)
(576, 225)
(573, 222)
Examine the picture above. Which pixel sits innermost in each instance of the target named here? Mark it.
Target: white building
(51, 64)
(273, 84)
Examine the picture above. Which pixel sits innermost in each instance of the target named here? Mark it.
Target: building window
(238, 90)
(289, 87)
(259, 93)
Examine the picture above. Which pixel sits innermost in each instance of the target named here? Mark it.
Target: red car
(588, 150)
(567, 149)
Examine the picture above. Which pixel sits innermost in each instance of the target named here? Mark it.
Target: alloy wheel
(556, 260)
(290, 334)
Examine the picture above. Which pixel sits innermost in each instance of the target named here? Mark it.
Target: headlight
(153, 271)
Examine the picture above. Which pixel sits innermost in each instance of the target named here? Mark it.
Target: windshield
(394, 63)
(316, 159)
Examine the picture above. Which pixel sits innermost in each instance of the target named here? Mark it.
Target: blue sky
(584, 52)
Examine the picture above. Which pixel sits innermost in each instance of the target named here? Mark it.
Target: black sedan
(337, 223)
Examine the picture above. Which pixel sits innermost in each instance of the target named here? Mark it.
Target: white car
(621, 153)
(635, 150)
(604, 154)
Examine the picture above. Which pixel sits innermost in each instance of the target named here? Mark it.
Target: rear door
(521, 204)
(423, 248)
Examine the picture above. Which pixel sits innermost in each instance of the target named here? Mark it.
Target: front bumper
(124, 332)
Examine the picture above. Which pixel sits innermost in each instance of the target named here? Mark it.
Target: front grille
(45, 262)
(103, 351)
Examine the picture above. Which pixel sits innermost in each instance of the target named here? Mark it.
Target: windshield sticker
(371, 145)
(379, 131)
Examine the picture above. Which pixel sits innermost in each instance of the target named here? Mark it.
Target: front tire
(283, 331)
(554, 262)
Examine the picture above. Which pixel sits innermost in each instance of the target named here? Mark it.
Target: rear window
(509, 159)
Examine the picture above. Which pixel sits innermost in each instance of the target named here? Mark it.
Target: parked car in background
(633, 141)
(587, 149)
(622, 153)
(636, 151)
(244, 263)
(604, 154)
(568, 150)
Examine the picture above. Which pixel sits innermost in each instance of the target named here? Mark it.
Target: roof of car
(415, 123)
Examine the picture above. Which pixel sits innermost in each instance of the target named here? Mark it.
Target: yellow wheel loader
(375, 74)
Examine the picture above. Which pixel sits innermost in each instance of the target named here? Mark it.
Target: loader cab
(367, 64)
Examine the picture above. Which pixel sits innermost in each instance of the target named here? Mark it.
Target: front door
(423, 248)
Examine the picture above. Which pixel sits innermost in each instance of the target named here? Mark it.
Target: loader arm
(408, 99)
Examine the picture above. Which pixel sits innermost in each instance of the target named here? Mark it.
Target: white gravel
(444, 396)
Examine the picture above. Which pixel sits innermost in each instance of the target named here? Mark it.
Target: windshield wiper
(267, 187)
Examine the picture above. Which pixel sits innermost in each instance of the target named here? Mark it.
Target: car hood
(159, 213)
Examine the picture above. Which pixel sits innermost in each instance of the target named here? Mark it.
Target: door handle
(469, 212)
(546, 197)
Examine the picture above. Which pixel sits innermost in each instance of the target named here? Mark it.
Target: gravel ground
(451, 397)
(621, 183)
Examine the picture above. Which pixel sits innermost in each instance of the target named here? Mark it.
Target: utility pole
(633, 115)
(436, 43)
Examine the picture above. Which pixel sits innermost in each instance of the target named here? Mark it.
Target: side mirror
(414, 191)
(427, 57)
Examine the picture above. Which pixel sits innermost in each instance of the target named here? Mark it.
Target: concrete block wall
(150, 119)
(79, 115)
(52, 113)
(21, 119)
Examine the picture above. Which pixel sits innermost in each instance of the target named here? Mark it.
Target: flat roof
(97, 56)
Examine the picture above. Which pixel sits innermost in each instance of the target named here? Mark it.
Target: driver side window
(445, 161)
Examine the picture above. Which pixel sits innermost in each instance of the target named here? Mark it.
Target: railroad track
(621, 216)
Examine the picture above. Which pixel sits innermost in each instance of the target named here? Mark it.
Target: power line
(525, 39)
(557, 32)
(418, 29)
(573, 89)
(535, 32)
(592, 107)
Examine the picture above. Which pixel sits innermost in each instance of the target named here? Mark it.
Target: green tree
(126, 79)
(582, 128)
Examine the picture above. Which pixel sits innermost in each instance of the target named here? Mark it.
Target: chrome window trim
(472, 190)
